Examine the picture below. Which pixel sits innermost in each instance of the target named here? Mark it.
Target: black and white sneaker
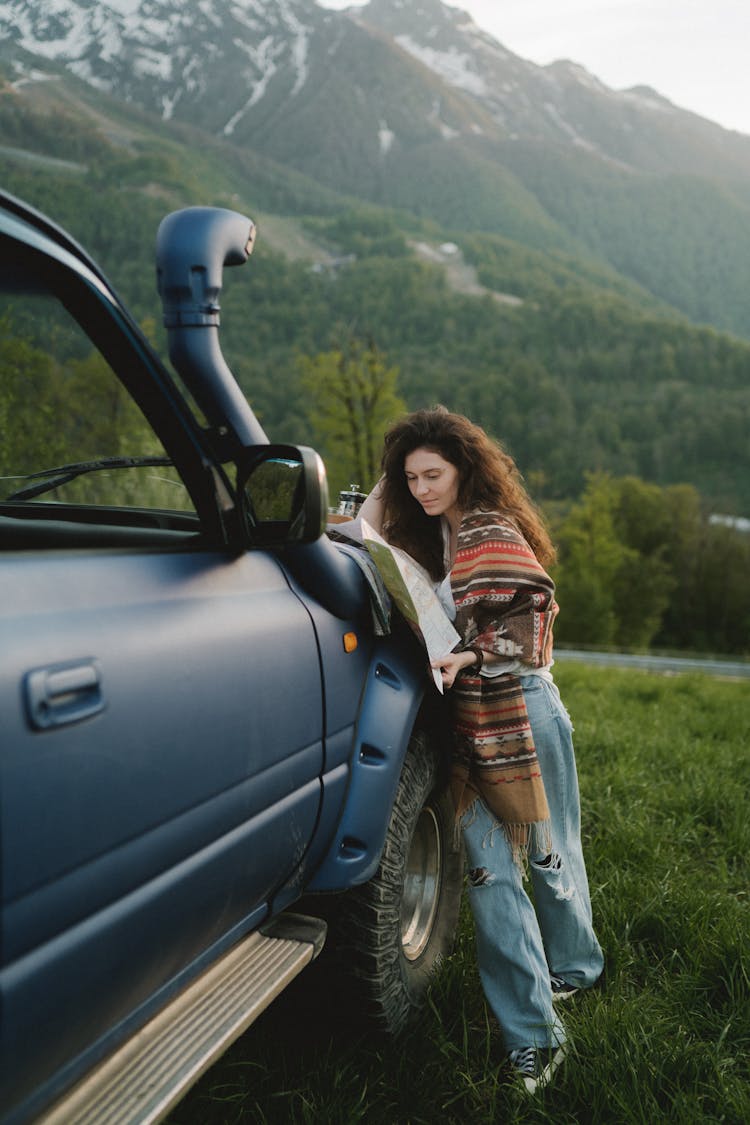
(561, 990)
(536, 1065)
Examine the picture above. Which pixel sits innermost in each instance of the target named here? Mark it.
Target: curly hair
(489, 480)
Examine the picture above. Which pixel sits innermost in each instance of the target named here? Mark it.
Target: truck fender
(393, 693)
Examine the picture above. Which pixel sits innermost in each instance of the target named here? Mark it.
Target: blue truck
(204, 734)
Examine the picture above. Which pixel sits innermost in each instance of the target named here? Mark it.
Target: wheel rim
(419, 900)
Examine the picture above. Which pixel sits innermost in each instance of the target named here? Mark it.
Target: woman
(453, 499)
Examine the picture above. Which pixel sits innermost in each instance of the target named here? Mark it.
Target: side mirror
(282, 494)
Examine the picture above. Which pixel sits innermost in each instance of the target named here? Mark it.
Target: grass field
(664, 765)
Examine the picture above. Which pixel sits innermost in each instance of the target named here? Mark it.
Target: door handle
(63, 694)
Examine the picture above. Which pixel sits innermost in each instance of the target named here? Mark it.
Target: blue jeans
(517, 945)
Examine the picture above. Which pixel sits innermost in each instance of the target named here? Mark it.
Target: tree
(352, 399)
(614, 582)
(645, 581)
(591, 556)
(30, 437)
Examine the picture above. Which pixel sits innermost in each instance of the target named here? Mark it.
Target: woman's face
(433, 482)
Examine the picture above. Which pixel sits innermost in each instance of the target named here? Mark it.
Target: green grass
(664, 765)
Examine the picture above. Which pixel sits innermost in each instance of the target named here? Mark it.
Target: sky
(694, 52)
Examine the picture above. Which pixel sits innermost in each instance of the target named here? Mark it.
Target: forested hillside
(573, 366)
(413, 106)
(581, 372)
(683, 236)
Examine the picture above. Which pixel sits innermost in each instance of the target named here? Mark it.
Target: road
(724, 668)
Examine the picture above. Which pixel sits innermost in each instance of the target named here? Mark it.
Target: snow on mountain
(454, 66)
(165, 56)
(168, 57)
(331, 92)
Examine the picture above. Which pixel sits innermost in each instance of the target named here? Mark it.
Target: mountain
(561, 104)
(411, 105)
(207, 63)
(411, 71)
(524, 244)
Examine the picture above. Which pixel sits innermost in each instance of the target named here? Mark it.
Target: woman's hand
(452, 664)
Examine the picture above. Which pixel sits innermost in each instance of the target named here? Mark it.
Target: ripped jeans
(517, 945)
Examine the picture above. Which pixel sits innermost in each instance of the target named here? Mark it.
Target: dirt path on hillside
(461, 276)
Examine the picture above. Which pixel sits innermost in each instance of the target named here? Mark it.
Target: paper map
(413, 591)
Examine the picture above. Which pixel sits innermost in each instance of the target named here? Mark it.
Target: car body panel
(189, 732)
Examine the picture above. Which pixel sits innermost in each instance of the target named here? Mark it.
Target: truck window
(69, 431)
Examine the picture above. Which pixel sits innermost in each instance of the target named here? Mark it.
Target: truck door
(161, 706)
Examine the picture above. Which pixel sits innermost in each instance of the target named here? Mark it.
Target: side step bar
(146, 1077)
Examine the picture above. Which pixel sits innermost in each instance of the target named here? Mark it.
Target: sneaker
(536, 1065)
(561, 990)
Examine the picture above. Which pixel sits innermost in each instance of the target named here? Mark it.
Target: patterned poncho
(504, 604)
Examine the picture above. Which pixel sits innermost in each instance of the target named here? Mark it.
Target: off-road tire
(395, 930)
